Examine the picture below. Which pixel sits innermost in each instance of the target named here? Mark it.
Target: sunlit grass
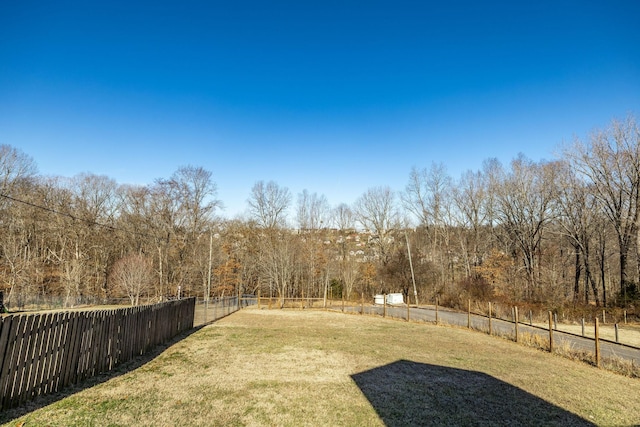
(293, 368)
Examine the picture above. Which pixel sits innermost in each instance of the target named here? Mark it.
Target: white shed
(394, 299)
(378, 299)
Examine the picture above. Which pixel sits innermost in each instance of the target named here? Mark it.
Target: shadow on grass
(9, 415)
(406, 393)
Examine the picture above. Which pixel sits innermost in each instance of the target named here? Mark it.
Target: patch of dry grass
(296, 368)
(627, 334)
(564, 348)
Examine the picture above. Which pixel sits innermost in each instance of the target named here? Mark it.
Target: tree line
(553, 232)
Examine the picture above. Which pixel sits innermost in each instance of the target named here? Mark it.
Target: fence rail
(42, 353)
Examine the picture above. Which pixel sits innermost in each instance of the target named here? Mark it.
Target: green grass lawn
(296, 368)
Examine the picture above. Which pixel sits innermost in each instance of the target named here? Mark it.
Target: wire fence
(18, 303)
(592, 341)
(208, 311)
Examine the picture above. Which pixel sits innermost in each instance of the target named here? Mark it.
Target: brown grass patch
(296, 368)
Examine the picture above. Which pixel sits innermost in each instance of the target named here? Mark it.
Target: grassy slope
(292, 368)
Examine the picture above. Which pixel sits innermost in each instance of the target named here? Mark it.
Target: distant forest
(562, 232)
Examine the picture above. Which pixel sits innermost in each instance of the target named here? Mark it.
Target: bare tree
(525, 206)
(415, 197)
(343, 217)
(15, 166)
(344, 259)
(195, 192)
(268, 204)
(95, 203)
(182, 214)
(610, 161)
(470, 198)
(577, 219)
(278, 252)
(426, 193)
(492, 171)
(427, 196)
(17, 225)
(313, 211)
(94, 198)
(376, 211)
(17, 173)
(132, 275)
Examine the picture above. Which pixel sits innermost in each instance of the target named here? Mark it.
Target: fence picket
(43, 353)
(32, 361)
(5, 333)
(11, 359)
(50, 349)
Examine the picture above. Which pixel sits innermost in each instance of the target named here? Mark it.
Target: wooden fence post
(408, 311)
(258, 299)
(515, 312)
(384, 311)
(469, 314)
(550, 332)
(616, 328)
(437, 310)
(490, 326)
(597, 342)
(362, 302)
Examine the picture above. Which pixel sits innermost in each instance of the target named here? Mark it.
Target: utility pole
(413, 277)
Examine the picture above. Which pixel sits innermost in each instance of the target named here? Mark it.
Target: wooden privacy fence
(45, 352)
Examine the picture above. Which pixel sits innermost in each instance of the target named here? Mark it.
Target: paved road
(608, 349)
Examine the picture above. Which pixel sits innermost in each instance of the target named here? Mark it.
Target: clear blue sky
(329, 96)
